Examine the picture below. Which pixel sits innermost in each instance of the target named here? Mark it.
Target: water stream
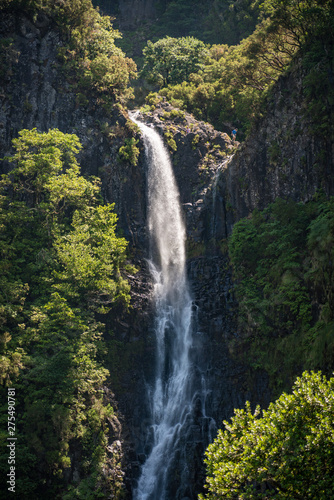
(172, 397)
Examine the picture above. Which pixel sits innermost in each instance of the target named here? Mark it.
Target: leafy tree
(95, 66)
(61, 262)
(172, 60)
(91, 257)
(302, 19)
(43, 190)
(99, 65)
(129, 152)
(231, 83)
(288, 452)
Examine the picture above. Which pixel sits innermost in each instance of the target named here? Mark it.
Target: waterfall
(172, 398)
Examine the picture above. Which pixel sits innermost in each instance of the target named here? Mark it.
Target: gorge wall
(36, 93)
(218, 184)
(286, 155)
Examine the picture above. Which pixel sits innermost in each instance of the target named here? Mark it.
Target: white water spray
(171, 398)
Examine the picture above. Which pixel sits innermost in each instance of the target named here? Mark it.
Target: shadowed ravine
(173, 396)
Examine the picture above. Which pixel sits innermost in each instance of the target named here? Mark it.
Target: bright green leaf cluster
(61, 262)
(94, 65)
(286, 453)
(129, 152)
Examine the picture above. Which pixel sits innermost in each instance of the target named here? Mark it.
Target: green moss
(129, 152)
(195, 141)
(195, 248)
(169, 136)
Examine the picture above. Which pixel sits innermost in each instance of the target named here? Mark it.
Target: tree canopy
(285, 452)
(92, 63)
(172, 60)
(61, 263)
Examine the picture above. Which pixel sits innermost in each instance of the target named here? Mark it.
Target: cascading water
(172, 398)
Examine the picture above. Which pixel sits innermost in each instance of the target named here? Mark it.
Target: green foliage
(281, 261)
(172, 60)
(230, 22)
(308, 26)
(93, 59)
(153, 99)
(286, 453)
(195, 141)
(213, 21)
(233, 82)
(169, 136)
(94, 65)
(230, 84)
(61, 262)
(175, 114)
(129, 152)
(320, 243)
(301, 19)
(318, 85)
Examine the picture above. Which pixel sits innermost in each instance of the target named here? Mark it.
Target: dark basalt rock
(218, 184)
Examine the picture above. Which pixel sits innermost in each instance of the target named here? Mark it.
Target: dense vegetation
(63, 266)
(229, 84)
(212, 21)
(282, 263)
(219, 21)
(95, 67)
(286, 453)
(172, 60)
(61, 263)
(62, 270)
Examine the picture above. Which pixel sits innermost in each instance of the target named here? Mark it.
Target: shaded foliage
(213, 21)
(282, 261)
(92, 63)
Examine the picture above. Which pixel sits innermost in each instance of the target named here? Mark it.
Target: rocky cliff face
(34, 92)
(283, 157)
(217, 184)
